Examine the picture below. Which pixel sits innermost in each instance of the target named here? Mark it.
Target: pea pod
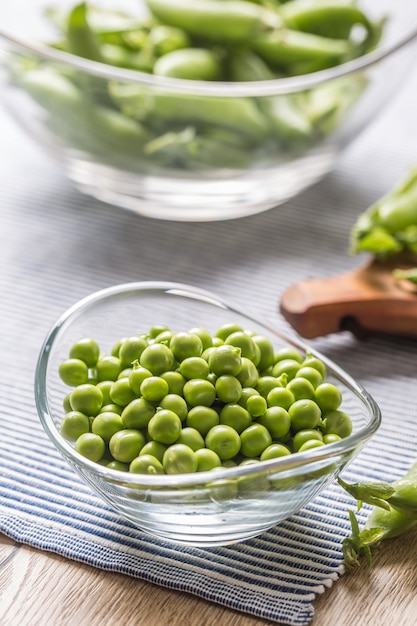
(219, 20)
(240, 115)
(82, 40)
(189, 64)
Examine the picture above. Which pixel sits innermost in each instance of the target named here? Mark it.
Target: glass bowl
(193, 150)
(207, 508)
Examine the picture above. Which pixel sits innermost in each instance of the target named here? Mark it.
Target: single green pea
(301, 388)
(185, 345)
(328, 397)
(121, 392)
(90, 446)
(146, 464)
(113, 408)
(165, 426)
(130, 349)
(315, 362)
(105, 386)
(256, 405)
(137, 413)
(225, 359)
(205, 337)
(154, 388)
(222, 489)
(199, 392)
(236, 416)
(280, 396)
(289, 367)
(87, 399)
(202, 418)
(241, 339)
(309, 445)
(191, 437)
(194, 367)
(175, 380)
(247, 392)
(304, 414)
(338, 423)
(87, 350)
(163, 337)
(157, 358)
(227, 329)
(125, 373)
(175, 403)
(137, 376)
(267, 356)
(106, 425)
(207, 460)
(308, 434)
(249, 374)
(125, 445)
(312, 374)
(288, 353)
(179, 459)
(266, 383)
(73, 372)
(331, 438)
(254, 440)
(74, 424)
(275, 451)
(228, 388)
(155, 449)
(66, 403)
(116, 347)
(108, 367)
(224, 441)
(156, 329)
(277, 421)
(118, 465)
(217, 341)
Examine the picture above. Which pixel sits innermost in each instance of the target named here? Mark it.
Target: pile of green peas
(166, 402)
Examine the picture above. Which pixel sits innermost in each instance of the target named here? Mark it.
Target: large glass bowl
(207, 508)
(239, 165)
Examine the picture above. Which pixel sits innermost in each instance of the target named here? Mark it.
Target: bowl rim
(214, 88)
(283, 464)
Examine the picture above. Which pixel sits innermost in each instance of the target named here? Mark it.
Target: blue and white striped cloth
(58, 246)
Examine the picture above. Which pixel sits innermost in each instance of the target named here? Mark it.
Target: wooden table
(42, 589)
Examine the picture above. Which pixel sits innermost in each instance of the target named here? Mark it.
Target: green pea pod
(218, 20)
(288, 117)
(189, 64)
(240, 115)
(81, 38)
(284, 48)
(245, 66)
(119, 56)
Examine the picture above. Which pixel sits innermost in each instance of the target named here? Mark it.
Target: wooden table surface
(42, 589)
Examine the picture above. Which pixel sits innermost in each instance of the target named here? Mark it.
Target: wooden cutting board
(367, 300)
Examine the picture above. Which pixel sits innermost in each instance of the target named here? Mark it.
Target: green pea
(275, 451)
(125, 373)
(225, 359)
(222, 489)
(185, 345)
(106, 424)
(242, 340)
(165, 426)
(137, 413)
(105, 386)
(154, 388)
(256, 406)
(179, 459)
(302, 436)
(125, 445)
(194, 367)
(331, 438)
(328, 397)
(301, 388)
(137, 376)
(156, 330)
(146, 464)
(73, 372)
(118, 465)
(86, 350)
(121, 392)
(175, 403)
(202, 418)
(236, 416)
(199, 392)
(207, 459)
(289, 367)
(309, 445)
(280, 396)
(74, 424)
(249, 374)
(304, 414)
(316, 363)
(112, 408)
(108, 367)
(157, 358)
(175, 380)
(312, 374)
(155, 449)
(277, 421)
(191, 437)
(338, 423)
(87, 399)
(266, 383)
(247, 392)
(288, 353)
(254, 440)
(267, 356)
(163, 337)
(91, 446)
(205, 337)
(227, 329)
(66, 403)
(224, 441)
(228, 388)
